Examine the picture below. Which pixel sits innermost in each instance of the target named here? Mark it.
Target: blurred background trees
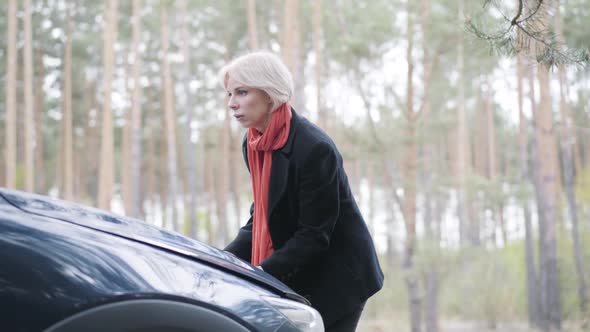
(471, 164)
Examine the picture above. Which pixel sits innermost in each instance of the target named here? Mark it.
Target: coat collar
(287, 148)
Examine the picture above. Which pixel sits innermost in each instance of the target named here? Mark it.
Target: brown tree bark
(136, 148)
(41, 186)
(67, 191)
(319, 59)
(570, 165)
(532, 280)
(189, 148)
(546, 186)
(465, 231)
(252, 29)
(106, 170)
(29, 101)
(409, 165)
(11, 70)
(125, 168)
(170, 118)
(291, 44)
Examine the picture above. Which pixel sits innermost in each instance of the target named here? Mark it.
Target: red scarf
(260, 148)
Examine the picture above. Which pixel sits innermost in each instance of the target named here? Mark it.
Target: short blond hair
(261, 70)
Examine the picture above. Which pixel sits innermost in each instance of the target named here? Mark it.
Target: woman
(305, 227)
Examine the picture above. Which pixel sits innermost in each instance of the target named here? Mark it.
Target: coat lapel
(280, 167)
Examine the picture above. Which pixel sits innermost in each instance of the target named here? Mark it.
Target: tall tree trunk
(152, 160)
(462, 160)
(125, 168)
(170, 118)
(136, 151)
(497, 210)
(319, 62)
(10, 125)
(221, 184)
(82, 188)
(67, 192)
(409, 184)
(189, 147)
(92, 141)
(536, 184)
(546, 185)
(163, 176)
(29, 101)
(532, 284)
(252, 29)
(106, 170)
(569, 148)
(39, 148)
(292, 51)
(209, 174)
(431, 283)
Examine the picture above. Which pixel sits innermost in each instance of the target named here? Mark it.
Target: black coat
(323, 249)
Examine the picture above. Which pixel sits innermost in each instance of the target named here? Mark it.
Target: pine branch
(504, 41)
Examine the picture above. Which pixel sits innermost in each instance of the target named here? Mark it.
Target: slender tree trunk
(546, 185)
(67, 191)
(319, 62)
(164, 176)
(539, 198)
(409, 183)
(493, 163)
(92, 148)
(136, 150)
(569, 148)
(209, 185)
(11, 68)
(532, 284)
(252, 29)
(82, 188)
(221, 190)
(39, 148)
(292, 53)
(189, 147)
(152, 160)
(106, 170)
(170, 118)
(125, 168)
(462, 137)
(29, 101)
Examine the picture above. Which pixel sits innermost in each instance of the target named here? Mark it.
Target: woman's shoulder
(311, 133)
(310, 137)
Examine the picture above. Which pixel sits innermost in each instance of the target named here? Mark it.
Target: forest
(464, 128)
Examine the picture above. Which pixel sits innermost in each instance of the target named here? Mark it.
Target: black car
(67, 267)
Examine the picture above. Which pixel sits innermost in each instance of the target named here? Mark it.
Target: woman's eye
(242, 92)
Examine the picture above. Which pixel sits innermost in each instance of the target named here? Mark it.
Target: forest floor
(459, 326)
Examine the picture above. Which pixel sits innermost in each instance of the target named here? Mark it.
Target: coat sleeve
(319, 203)
(241, 246)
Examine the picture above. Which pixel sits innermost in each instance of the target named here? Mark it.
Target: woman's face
(250, 106)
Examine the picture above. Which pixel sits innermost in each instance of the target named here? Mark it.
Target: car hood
(137, 230)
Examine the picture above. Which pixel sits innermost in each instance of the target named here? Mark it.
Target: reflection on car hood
(137, 230)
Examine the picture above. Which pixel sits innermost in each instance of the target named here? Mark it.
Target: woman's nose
(231, 103)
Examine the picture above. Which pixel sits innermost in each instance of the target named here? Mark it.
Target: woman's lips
(239, 117)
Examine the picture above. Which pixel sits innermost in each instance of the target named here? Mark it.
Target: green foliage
(502, 40)
(481, 287)
(583, 186)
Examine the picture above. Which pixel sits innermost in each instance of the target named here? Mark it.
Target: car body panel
(51, 269)
(140, 231)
